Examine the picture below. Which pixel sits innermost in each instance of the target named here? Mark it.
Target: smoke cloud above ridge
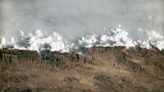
(76, 18)
(55, 42)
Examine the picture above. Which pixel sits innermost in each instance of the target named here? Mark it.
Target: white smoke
(114, 37)
(38, 42)
(119, 37)
(152, 40)
(55, 42)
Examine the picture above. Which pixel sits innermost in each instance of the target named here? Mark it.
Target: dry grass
(15, 75)
(32, 74)
(10, 75)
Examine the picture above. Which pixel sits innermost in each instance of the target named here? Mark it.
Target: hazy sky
(74, 18)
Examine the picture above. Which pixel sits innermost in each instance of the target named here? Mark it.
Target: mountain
(95, 69)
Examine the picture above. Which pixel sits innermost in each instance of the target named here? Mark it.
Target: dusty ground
(97, 69)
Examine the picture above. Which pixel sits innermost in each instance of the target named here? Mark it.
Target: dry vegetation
(97, 70)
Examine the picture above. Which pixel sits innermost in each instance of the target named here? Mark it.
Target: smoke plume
(55, 42)
(67, 24)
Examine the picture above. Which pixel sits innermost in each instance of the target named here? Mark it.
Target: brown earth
(97, 69)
